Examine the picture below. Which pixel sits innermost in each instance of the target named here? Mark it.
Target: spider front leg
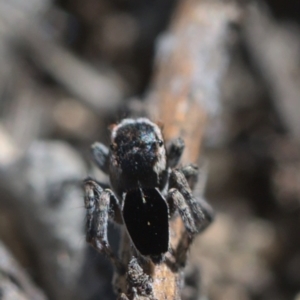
(100, 155)
(100, 206)
(191, 174)
(174, 151)
(196, 214)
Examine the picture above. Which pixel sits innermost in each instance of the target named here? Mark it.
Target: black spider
(146, 190)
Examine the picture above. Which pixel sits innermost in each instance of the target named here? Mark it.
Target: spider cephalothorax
(137, 156)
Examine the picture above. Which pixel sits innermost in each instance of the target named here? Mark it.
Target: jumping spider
(146, 190)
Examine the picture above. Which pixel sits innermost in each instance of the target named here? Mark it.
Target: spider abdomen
(146, 216)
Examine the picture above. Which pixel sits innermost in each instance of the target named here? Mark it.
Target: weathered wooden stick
(191, 60)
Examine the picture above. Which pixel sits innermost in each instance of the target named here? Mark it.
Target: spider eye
(160, 143)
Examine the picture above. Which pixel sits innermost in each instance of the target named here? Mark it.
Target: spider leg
(100, 155)
(100, 206)
(199, 209)
(174, 151)
(196, 213)
(191, 174)
(178, 202)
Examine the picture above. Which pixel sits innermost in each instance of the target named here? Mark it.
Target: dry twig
(191, 61)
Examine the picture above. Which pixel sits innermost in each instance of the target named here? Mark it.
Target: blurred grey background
(68, 69)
